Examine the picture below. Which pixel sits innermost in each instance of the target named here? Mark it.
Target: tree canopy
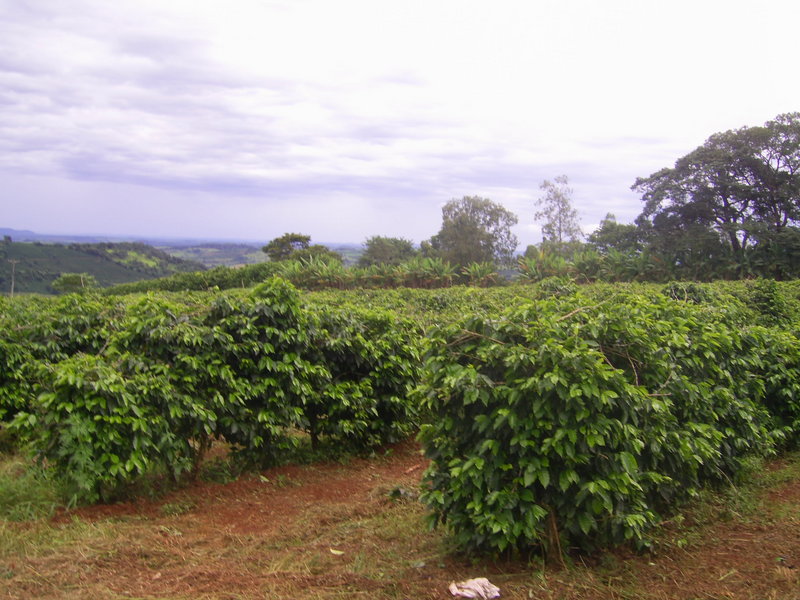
(379, 250)
(281, 248)
(474, 230)
(611, 235)
(740, 189)
(560, 224)
(296, 246)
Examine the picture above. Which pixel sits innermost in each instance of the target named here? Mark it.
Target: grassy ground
(356, 530)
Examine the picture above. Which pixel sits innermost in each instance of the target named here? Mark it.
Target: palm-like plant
(440, 273)
(587, 264)
(543, 265)
(481, 274)
(322, 273)
(618, 266)
(529, 270)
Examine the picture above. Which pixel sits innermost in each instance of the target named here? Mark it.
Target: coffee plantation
(554, 415)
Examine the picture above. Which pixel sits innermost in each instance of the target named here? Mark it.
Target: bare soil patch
(356, 531)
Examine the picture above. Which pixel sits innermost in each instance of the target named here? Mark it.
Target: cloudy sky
(342, 120)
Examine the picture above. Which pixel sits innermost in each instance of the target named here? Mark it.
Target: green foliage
(77, 283)
(474, 230)
(560, 223)
(15, 383)
(297, 247)
(776, 254)
(588, 265)
(36, 265)
(773, 307)
(271, 373)
(283, 247)
(537, 265)
(696, 293)
(26, 493)
(139, 257)
(480, 274)
(573, 422)
(585, 265)
(317, 252)
(558, 415)
(728, 205)
(110, 394)
(426, 272)
(611, 235)
(221, 278)
(371, 363)
(99, 429)
(69, 325)
(776, 377)
(36, 331)
(425, 307)
(557, 286)
(518, 441)
(380, 250)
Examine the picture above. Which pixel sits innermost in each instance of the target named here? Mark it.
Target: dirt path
(334, 531)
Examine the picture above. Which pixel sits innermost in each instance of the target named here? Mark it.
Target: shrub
(773, 307)
(100, 429)
(570, 422)
(371, 361)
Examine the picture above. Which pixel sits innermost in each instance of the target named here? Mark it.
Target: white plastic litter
(475, 588)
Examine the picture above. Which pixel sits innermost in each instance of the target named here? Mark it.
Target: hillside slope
(36, 265)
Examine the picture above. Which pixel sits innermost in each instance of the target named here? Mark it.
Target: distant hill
(209, 252)
(214, 254)
(350, 252)
(25, 235)
(35, 265)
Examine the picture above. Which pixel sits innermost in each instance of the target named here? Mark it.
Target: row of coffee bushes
(320, 273)
(557, 413)
(109, 391)
(582, 419)
(764, 302)
(221, 278)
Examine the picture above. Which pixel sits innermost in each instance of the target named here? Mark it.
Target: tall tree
(281, 248)
(560, 223)
(737, 187)
(386, 250)
(775, 170)
(611, 235)
(296, 246)
(474, 230)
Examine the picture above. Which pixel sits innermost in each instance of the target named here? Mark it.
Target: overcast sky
(351, 118)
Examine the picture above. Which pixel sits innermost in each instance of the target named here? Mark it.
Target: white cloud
(363, 117)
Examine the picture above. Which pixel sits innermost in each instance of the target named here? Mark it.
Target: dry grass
(337, 533)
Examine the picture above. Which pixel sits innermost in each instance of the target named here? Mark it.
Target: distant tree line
(730, 209)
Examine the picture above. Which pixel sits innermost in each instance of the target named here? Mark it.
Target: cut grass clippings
(343, 531)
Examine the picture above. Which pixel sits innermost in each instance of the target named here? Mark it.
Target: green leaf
(585, 522)
(544, 477)
(629, 462)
